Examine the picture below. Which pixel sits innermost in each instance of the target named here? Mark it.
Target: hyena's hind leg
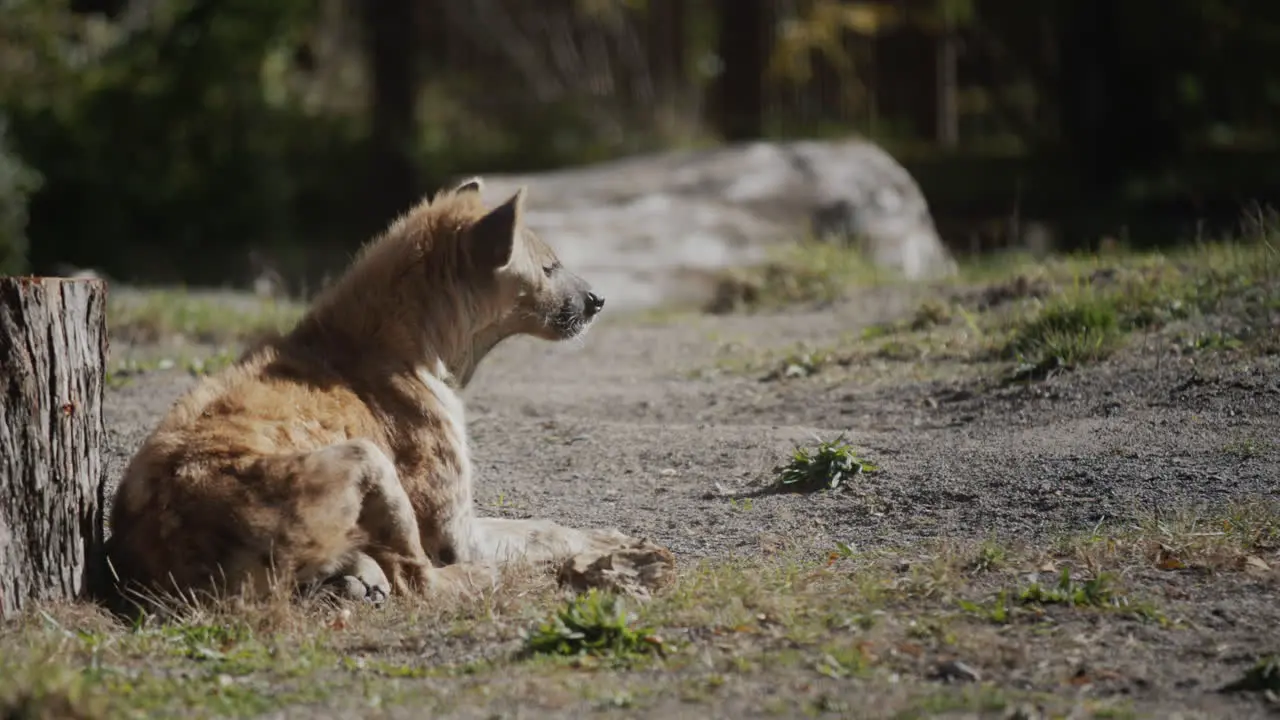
(351, 521)
(362, 579)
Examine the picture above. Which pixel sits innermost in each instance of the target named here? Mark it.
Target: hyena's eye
(548, 269)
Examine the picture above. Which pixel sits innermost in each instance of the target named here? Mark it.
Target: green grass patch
(1249, 448)
(1040, 316)
(1097, 592)
(1090, 312)
(596, 624)
(1066, 334)
(824, 467)
(153, 315)
(804, 273)
(122, 372)
(1262, 677)
(989, 557)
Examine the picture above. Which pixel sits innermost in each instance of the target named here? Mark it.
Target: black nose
(594, 304)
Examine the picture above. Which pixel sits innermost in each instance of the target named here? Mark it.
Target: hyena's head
(523, 288)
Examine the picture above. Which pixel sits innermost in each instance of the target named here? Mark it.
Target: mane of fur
(402, 297)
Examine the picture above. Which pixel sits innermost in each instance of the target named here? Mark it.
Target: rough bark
(392, 54)
(53, 344)
(743, 27)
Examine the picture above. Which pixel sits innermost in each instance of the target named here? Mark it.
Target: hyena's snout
(592, 304)
(579, 305)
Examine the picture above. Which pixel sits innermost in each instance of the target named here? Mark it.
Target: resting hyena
(339, 450)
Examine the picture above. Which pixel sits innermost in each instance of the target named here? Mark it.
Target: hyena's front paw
(621, 563)
(602, 540)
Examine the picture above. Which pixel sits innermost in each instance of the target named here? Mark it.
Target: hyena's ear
(493, 237)
(474, 184)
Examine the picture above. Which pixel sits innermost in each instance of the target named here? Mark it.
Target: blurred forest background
(178, 140)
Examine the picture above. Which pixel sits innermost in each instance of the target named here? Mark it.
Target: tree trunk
(948, 127)
(392, 54)
(742, 49)
(53, 345)
(666, 45)
(1110, 98)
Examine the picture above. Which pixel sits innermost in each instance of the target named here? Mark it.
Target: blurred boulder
(637, 225)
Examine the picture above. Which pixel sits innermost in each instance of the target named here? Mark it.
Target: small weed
(594, 624)
(995, 611)
(742, 504)
(930, 314)
(801, 364)
(1248, 448)
(1095, 592)
(990, 556)
(1214, 341)
(825, 467)
(873, 332)
(843, 551)
(843, 661)
(1264, 676)
(899, 350)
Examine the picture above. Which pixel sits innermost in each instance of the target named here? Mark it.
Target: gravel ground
(639, 426)
(620, 429)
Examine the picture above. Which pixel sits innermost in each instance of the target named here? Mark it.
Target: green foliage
(1094, 592)
(990, 556)
(1087, 320)
(174, 140)
(1067, 334)
(1263, 677)
(154, 315)
(164, 154)
(17, 183)
(1097, 592)
(593, 623)
(807, 272)
(825, 467)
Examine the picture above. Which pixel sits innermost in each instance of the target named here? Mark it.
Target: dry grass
(939, 627)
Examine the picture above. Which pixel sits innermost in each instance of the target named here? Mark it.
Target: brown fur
(344, 439)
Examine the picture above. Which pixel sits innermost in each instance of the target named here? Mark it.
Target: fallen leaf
(912, 649)
(956, 670)
(1253, 562)
(638, 570)
(341, 619)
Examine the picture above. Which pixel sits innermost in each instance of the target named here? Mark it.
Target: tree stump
(53, 345)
